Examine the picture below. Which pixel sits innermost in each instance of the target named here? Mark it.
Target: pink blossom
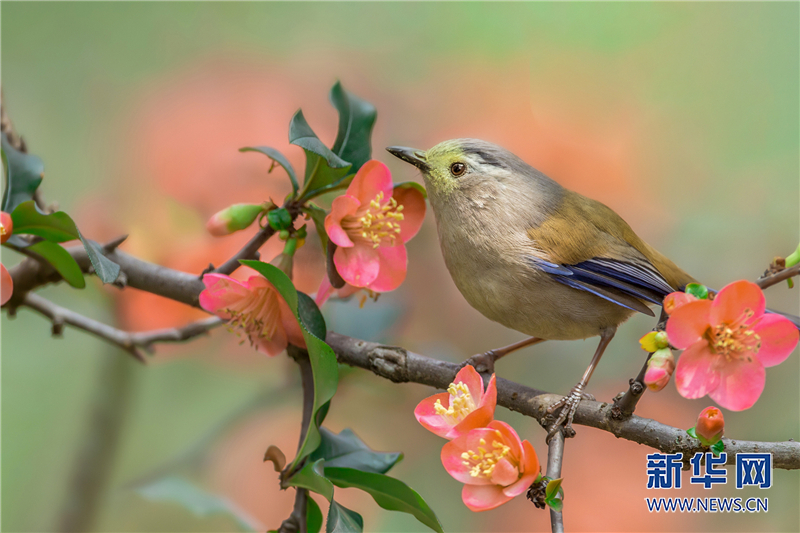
(492, 463)
(465, 405)
(254, 309)
(370, 224)
(728, 342)
(660, 367)
(326, 290)
(710, 426)
(6, 285)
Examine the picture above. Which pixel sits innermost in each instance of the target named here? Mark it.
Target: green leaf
(279, 219)
(311, 315)
(343, 520)
(56, 227)
(279, 158)
(692, 432)
(388, 492)
(717, 448)
(106, 269)
(347, 450)
(413, 185)
(310, 477)
(324, 169)
(313, 516)
(24, 173)
(552, 488)
(323, 360)
(318, 215)
(356, 120)
(697, 290)
(555, 504)
(62, 261)
(198, 501)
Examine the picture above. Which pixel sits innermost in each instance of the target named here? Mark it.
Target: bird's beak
(410, 155)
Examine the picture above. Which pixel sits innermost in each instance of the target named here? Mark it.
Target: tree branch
(777, 277)
(555, 456)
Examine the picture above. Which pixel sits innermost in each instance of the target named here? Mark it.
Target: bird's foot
(568, 405)
(482, 362)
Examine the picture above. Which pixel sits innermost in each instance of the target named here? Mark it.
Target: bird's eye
(458, 168)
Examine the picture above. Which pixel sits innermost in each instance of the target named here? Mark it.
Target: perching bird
(534, 256)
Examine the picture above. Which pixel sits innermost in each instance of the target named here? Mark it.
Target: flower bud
(653, 341)
(710, 426)
(6, 226)
(6, 285)
(676, 299)
(659, 369)
(234, 218)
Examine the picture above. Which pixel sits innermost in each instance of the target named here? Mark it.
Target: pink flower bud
(6, 285)
(659, 369)
(234, 218)
(6, 226)
(710, 426)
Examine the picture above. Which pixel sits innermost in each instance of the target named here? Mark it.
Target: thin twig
(555, 457)
(777, 277)
(130, 342)
(248, 251)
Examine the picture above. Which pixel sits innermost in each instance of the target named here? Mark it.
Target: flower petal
(734, 298)
(341, 207)
(272, 346)
(454, 463)
(529, 468)
(221, 291)
(474, 382)
(294, 333)
(509, 438)
(392, 272)
(372, 178)
(688, 323)
(483, 497)
(426, 414)
(413, 210)
(6, 285)
(324, 292)
(778, 338)
(675, 300)
(695, 374)
(358, 266)
(741, 383)
(504, 473)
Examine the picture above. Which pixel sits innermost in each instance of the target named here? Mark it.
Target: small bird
(536, 257)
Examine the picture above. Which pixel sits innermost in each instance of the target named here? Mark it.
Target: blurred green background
(683, 117)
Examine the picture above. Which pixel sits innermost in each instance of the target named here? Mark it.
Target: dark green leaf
(324, 169)
(56, 227)
(323, 360)
(311, 315)
(198, 501)
(318, 215)
(347, 450)
(555, 504)
(106, 269)
(388, 492)
(552, 488)
(692, 432)
(413, 185)
(313, 516)
(310, 477)
(279, 219)
(717, 448)
(356, 119)
(24, 173)
(697, 290)
(62, 261)
(279, 158)
(343, 520)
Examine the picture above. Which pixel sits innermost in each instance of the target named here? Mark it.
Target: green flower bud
(234, 218)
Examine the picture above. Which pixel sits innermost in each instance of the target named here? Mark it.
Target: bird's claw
(483, 362)
(568, 405)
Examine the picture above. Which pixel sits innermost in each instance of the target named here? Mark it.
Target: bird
(537, 257)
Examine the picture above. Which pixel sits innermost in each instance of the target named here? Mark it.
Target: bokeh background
(683, 117)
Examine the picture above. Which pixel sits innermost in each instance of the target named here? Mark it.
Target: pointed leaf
(106, 269)
(279, 158)
(717, 448)
(556, 505)
(356, 120)
(323, 360)
(324, 169)
(347, 450)
(692, 432)
(310, 477)
(56, 227)
(552, 488)
(24, 173)
(388, 492)
(311, 315)
(62, 261)
(318, 215)
(313, 516)
(198, 501)
(343, 520)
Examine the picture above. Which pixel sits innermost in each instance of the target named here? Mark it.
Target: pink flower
(493, 465)
(660, 367)
(675, 300)
(727, 343)
(6, 226)
(370, 224)
(6, 285)
(710, 426)
(255, 310)
(462, 408)
(326, 290)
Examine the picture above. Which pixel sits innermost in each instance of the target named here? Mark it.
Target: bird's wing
(590, 248)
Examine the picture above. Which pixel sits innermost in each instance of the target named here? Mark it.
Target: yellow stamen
(483, 462)
(733, 341)
(461, 404)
